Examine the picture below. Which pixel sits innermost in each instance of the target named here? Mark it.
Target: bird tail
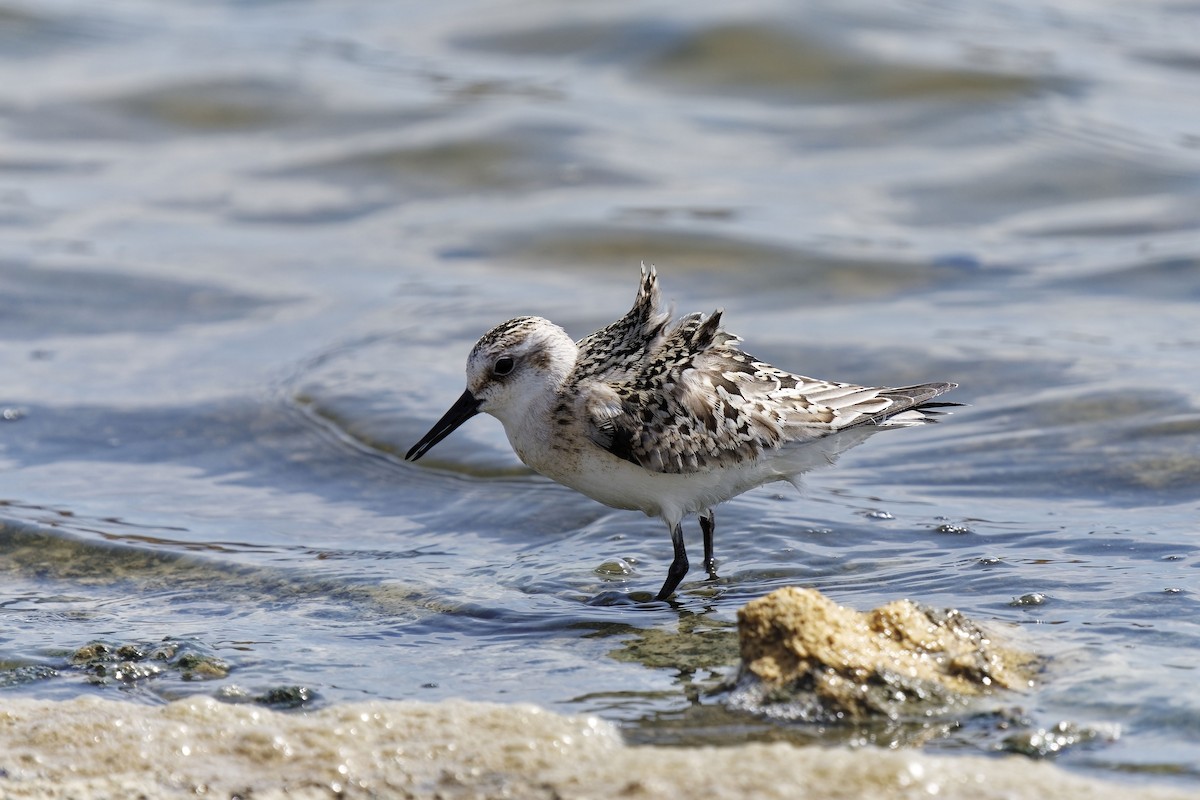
(914, 405)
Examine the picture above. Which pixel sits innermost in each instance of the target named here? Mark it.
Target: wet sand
(93, 748)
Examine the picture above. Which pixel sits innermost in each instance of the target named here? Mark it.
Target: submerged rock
(806, 658)
(135, 662)
(1046, 742)
(283, 697)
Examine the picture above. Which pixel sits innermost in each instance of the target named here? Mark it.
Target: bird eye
(504, 365)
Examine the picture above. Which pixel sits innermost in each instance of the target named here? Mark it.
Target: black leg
(708, 526)
(679, 566)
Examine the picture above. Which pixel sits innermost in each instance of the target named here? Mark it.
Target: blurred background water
(246, 246)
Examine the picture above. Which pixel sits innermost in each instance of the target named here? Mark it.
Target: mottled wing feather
(614, 350)
(695, 402)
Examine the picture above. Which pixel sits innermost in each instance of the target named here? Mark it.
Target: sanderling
(668, 419)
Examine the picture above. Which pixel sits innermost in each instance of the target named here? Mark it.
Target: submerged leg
(708, 526)
(679, 566)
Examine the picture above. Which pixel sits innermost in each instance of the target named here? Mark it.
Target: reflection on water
(247, 248)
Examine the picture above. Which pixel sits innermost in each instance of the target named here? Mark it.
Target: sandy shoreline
(92, 748)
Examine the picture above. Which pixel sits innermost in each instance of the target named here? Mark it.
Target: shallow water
(245, 248)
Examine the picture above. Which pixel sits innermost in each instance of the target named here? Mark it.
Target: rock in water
(804, 657)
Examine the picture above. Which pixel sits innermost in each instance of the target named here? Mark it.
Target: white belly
(615, 482)
(619, 483)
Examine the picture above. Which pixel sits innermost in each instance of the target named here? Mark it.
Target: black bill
(463, 409)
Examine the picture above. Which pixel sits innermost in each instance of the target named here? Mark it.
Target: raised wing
(615, 349)
(695, 402)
